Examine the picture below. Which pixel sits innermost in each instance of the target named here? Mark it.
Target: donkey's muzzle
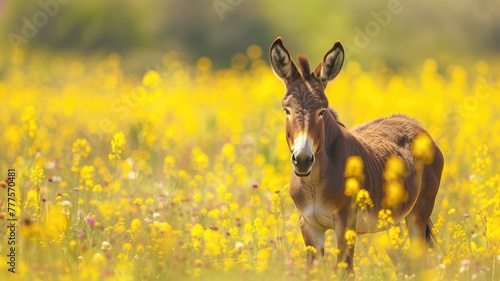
(302, 163)
(302, 155)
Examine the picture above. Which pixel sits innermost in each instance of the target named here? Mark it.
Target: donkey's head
(305, 102)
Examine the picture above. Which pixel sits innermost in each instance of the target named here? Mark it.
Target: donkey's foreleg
(313, 237)
(345, 233)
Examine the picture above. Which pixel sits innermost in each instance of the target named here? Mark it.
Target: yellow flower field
(182, 174)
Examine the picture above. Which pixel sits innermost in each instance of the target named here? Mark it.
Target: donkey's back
(399, 129)
(391, 135)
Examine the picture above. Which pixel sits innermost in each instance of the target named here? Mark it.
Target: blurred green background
(402, 33)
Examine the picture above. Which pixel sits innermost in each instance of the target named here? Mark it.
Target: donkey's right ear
(281, 62)
(332, 62)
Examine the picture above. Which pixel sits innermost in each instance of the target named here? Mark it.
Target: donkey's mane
(305, 70)
(334, 113)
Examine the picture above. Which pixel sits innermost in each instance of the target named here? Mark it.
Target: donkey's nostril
(311, 161)
(294, 160)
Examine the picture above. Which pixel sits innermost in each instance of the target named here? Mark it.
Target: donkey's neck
(340, 142)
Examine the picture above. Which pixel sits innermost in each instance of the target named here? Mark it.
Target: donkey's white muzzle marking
(302, 155)
(303, 143)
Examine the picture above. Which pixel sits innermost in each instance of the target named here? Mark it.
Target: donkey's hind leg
(418, 221)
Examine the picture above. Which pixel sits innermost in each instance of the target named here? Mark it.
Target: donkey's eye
(287, 112)
(321, 113)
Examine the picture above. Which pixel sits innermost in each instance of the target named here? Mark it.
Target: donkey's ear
(332, 62)
(281, 62)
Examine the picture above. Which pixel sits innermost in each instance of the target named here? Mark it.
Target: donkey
(320, 146)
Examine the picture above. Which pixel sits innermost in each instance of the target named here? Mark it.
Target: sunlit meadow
(182, 174)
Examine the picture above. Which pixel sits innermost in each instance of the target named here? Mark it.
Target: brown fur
(320, 196)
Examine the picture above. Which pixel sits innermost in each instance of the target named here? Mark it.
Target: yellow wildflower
(350, 236)
(81, 147)
(97, 188)
(87, 174)
(354, 168)
(394, 194)
(168, 165)
(351, 187)
(138, 201)
(422, 148)
(228, 197)
(342, 264)
(197, 197)
(199, 159)
(29, 121)
(135, 224)
(117, 146)
(395, 168)
(197, 231)
(394, 190)
(385, 219)
(275, 203)
(363, 199)
(36, 175)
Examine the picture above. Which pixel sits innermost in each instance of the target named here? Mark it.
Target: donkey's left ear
(332, 62)
(282, 63)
